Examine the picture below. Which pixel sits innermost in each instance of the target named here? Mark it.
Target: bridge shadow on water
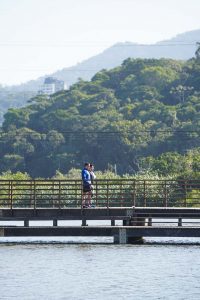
(96, 241)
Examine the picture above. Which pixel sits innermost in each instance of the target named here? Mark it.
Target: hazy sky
(38, 37)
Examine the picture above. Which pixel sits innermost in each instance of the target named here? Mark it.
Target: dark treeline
(141, 116)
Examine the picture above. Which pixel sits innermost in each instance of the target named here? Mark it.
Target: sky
(38, 37)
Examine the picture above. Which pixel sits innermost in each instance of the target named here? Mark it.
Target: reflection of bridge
(144, 207)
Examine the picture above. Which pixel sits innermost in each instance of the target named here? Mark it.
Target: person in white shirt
(92, 178)
(92, 175)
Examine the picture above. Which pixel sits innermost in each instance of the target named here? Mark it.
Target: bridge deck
(127, 231)
(137, 222)
(98, 213)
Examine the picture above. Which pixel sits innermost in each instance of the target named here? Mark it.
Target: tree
(181, 92)
(197, 52)
(12, 162)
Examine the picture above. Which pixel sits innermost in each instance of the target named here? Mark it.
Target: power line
(31, 69)
(102, 137)
(127, 131)
(13, 44)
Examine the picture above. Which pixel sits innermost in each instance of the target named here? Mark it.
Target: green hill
(141, 116)
(180, 47)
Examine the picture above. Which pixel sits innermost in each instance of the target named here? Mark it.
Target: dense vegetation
(143, 116)
(17, 96)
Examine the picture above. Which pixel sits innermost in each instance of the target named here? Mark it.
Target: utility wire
(25, 44)
(45, 69)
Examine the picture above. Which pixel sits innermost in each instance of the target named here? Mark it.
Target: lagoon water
(69, 268)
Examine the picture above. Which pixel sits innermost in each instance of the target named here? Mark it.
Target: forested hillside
(181, 46)
(143, 116)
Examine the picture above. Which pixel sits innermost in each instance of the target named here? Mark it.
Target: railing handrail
(108, 192)
(100, 180)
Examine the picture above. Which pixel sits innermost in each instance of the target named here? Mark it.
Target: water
(99, 271)
(58, 268)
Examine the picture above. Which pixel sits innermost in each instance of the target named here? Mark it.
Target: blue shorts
(87, 188)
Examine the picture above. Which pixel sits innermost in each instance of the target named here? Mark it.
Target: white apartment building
(51, 85)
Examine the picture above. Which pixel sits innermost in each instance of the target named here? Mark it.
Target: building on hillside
(51, 85)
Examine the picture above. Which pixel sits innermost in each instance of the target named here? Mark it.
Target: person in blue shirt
(87, 186)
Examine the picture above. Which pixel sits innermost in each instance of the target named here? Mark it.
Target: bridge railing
(106, 193)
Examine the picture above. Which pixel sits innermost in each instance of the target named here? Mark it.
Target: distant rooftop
(50, 80)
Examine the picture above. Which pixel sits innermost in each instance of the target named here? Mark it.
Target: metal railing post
(121, 194)
(34, 194)
(134, 193)
(11, 193)
(59, 194)
(82, 194)
(31, 195)
(53, 194)
(96, 186)
(185, 191)
(145, 199)
(165, 194)
(76, 195)
(107, 199)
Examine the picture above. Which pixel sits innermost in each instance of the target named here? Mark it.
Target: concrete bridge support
(124, 238)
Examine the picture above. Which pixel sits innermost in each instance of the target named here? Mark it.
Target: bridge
(145, 208)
